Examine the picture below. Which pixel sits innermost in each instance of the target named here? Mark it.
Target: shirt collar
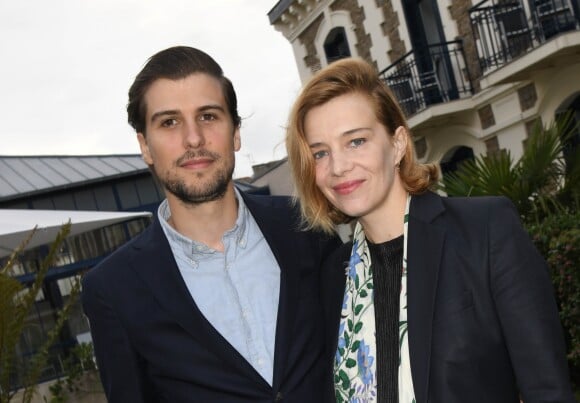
(239, 231)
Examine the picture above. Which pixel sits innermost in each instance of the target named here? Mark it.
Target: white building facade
(472, 78)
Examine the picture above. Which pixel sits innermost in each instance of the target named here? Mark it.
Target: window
(336, 45)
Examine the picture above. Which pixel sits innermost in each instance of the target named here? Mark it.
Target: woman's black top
(387, 267)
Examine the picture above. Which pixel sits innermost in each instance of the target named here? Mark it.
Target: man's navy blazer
(153, 344)
(482, 319)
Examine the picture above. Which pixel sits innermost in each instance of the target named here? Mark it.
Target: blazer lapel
(275, 227)
(156, 266)
(425, 245)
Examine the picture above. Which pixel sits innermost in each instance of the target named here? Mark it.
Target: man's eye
(320, 154)
(357, 142)
(169, 122)
(207, 117)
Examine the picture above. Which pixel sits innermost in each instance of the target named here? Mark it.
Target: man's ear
(400, 139)
(145, 153)
(237, 139)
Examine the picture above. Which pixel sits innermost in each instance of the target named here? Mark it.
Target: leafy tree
(16, 302)
(539, 183)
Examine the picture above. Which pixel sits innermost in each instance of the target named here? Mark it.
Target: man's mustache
(192, 154)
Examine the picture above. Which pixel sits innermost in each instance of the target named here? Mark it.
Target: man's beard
(194, 195)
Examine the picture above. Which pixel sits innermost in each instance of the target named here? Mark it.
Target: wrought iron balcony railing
(506, 29)
(428, 76)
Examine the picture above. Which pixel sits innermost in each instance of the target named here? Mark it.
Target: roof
(263, 169)
(278, 10)
(27, 175)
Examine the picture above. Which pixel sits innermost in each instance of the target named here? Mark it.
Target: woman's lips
(345, 188)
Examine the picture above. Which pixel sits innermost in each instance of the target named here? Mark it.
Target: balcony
(530, 32)
(432, 75)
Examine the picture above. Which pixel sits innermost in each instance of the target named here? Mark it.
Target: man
(217, 301)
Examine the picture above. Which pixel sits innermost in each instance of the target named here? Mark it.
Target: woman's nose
(340, 163)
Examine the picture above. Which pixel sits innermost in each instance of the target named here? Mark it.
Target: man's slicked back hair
(176, 63)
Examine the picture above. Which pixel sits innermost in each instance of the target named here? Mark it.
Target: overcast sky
(66, 66)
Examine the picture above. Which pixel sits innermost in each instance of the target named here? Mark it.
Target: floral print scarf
(355, 361)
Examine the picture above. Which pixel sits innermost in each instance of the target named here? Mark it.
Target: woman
(474, 317)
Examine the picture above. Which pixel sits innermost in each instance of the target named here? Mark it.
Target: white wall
(442, 139)
(372, 23)
(299, 54)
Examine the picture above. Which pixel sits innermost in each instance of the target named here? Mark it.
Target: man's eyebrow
(159, 114)
(173, 112)
(210, 107)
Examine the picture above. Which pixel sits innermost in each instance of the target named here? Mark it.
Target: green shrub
(76, 366)
(16, 301)
(558, 240)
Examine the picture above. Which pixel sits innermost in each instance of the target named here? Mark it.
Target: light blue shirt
(236, 290)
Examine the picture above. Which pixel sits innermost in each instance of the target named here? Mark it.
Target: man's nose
(193, 136)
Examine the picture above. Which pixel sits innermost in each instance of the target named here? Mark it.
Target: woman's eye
(357, 142)
(320, 154)
(169, 122)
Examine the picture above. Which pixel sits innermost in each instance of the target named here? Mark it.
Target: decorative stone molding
(486, 116)
(527, 96)
(492, 146)
(390, 29)
(357, 15)
(292, 16)
(459, 10)
(530, 127)
(307, 38)
(532, 124)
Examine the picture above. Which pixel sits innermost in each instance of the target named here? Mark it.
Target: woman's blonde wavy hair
(344, 77)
